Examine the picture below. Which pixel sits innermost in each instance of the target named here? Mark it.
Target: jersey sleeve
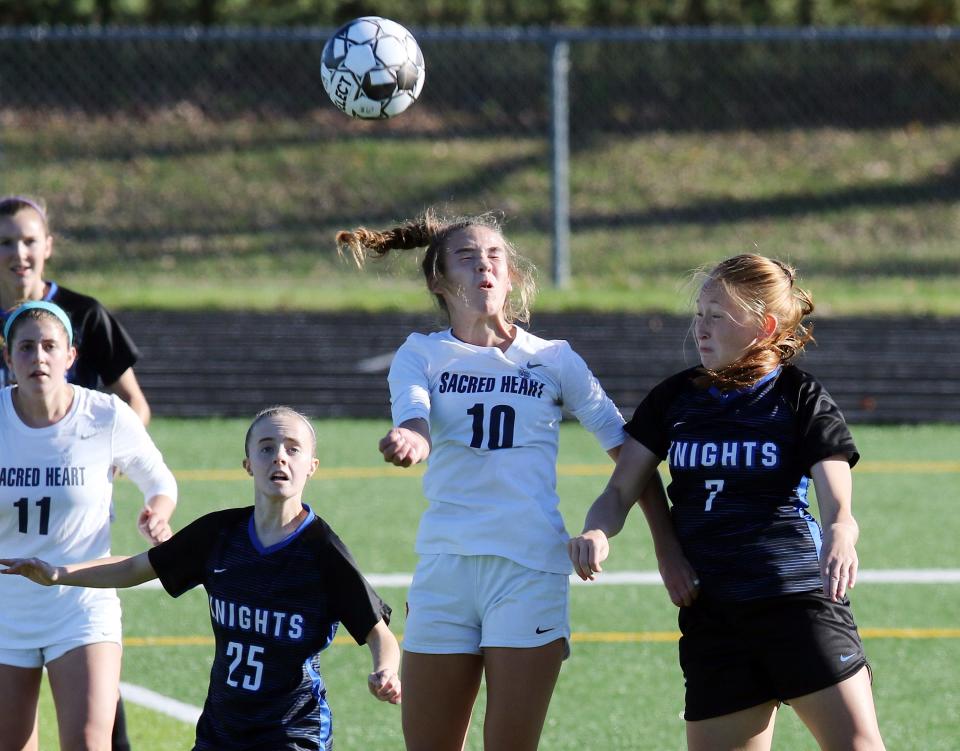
(649, 422)
(179, 562)
(358, 607)
(409, 384)
(585, 398)
(822, 428)
(135, 453)
(106, 344)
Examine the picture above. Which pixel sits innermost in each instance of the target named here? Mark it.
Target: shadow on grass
(936, 189)
(305, 221)
(126, 142)
(305, 224)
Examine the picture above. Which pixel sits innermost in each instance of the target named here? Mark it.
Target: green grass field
(622, 688)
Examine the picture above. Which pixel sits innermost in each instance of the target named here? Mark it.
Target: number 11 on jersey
(714, 486)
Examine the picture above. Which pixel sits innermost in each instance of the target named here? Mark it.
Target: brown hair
(431, 232)
(274, 411)
(762, 286)
(12, 205)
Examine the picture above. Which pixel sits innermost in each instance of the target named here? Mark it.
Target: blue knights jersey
(272, 611)
(740, 466)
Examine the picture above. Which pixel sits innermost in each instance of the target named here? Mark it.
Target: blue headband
(39, 305)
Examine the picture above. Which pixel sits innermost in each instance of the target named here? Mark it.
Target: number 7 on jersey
(714, 486)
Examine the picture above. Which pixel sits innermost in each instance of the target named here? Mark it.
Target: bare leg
(438, 696)
(85, 684)
(19, 695)
(519, 686)
(748, 730)
(842, 717)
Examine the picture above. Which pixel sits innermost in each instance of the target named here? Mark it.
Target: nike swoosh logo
(544, 630)
(844, 658)
(532, 365)
(219, 570)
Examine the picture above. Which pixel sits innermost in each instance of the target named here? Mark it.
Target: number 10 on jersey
(499, 427)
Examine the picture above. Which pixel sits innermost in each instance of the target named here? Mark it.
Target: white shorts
(459, 604)
(38, 657)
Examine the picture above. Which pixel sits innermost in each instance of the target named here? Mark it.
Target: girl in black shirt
(761, 586)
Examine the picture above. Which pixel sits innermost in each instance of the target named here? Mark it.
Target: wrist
(593, 530)
(845, 523)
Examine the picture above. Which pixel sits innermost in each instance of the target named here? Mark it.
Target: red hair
(761, 286)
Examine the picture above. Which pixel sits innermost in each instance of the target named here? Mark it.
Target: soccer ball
(372, 68)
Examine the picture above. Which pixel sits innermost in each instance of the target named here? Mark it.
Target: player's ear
(437, 285)
(71, 356)
(246, 466)
(314, 463)
(769, 325)
(48, 249)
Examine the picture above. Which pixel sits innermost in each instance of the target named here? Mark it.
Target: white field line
(871, 576)
(190, 714)
(159, 703)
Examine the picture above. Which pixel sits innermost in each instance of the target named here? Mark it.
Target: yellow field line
(931, 467)
(586, 637)
(565, 470)
(910, 633)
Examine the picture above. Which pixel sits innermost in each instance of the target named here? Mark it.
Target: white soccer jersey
(494, 416)
(55, 488)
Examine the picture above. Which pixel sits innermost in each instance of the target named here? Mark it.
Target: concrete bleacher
(884, 370)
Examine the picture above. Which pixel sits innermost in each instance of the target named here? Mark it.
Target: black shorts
(736, 655)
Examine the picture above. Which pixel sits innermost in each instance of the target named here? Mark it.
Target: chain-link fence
(839, 149)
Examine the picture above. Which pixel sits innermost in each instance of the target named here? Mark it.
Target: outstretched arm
(838, 555)
(154, 519)
(384, 681)
(407, 444)
(635, 480)
(678, 575)
(117, 571)
(605, 518)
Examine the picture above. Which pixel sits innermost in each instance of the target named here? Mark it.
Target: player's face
(724, 330)
(476, 278)
(24, 248)
(281, 456)
(39, 356)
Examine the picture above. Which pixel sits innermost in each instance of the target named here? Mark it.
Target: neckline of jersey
(258, 546)
(64, 422)
(521, 333)
(725, 396)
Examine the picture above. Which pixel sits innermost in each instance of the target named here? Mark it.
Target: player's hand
(838, 560)
(33, 569)
(681, 581)
(404, 447)
(154, 525)
(587, 551)
(385, 685)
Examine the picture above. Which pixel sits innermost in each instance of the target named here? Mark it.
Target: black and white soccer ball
(372, 68)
